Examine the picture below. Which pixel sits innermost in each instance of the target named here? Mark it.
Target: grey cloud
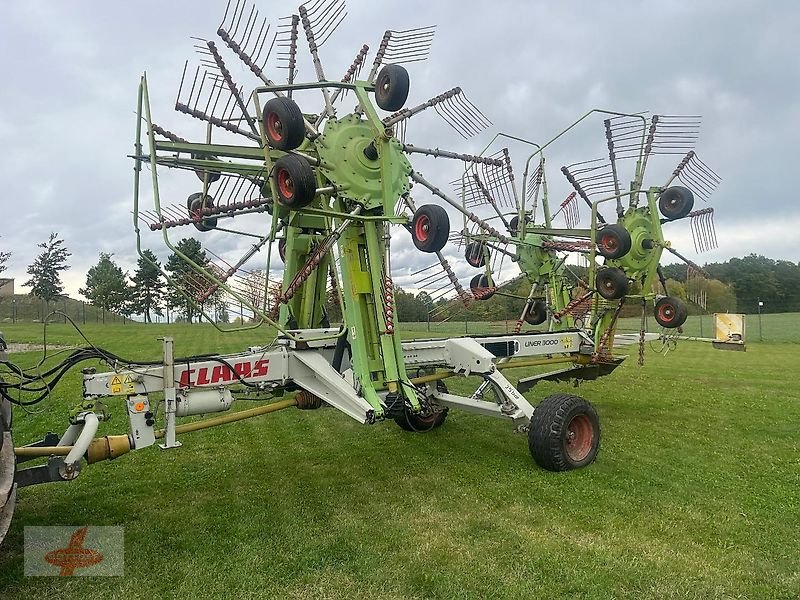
(67, 122)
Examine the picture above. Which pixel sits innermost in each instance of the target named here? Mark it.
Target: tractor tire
(284, 124)
(430, 228)
(675, 202)
(537, 313)
(391, 87)
(670, 312)
(475, 255)
(195, 203)
(564, 433)
(612, 283)
(479, 285)
(613, 241)
(295, 181)
(8, 467)
(423, 424)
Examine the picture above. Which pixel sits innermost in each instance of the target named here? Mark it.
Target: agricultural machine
(322, 195)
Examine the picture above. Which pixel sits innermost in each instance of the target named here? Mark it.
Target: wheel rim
(578, 441)
(609, 243)
(608, 286)
(285, 184)
(386, 85)
(666, 313)
(422, 228)
(274, 126)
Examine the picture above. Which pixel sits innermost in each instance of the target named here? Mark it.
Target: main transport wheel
(481, 288)
(430, 228)
(564, 433)
(283, 123)
(196, 203)
(422, 422)
(613, 241)
(8, 464)
(475, 255)
(295, 180)
(670, 312)
(537, 313)
(612, 283)
(391, 87)
(676, 202)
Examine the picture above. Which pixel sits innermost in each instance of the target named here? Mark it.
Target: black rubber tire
(676, 202)
(670, 312)
(564, 433)
(391, 87)
(512, 225)
(283, 123)
(475, 255)
(212, 177)
(282, 249)
(195, 203)
(612, 283)
(430, 228)
(479, 283)
(8, 464)
(295, 181)
(537, 313)
(613, 241)
(419, 424)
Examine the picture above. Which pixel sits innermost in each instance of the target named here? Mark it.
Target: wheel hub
(373, 183)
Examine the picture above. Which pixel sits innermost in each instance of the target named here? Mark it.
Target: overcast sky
(72, 69)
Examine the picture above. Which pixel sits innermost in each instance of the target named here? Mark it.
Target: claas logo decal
(222, 373)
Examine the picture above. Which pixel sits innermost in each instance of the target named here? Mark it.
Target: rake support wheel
(295, 181)
(391, 87)
(613, 241)
(284, 124)
(676, 202)
(481, 288)
(196, 203)
(430, 228)
(564, 433)
(612, 283)
(475, 255)
(537, 313)
(670, 312)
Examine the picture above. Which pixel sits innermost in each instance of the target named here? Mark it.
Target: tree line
(144, 292)
(738, 284)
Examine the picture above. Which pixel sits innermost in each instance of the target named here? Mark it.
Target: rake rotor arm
(436, 153)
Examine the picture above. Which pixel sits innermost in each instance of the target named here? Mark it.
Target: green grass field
(695, 492)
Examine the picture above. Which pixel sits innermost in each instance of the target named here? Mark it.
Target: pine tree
(107, 285)
(45, 272)
(188, 282)
(4, 256)
(148, 286)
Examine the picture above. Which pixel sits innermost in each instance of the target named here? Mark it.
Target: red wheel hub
(609, 243)
(422, 229)
(666, 313)
(578, 442)
(285, 184)
(274, 126)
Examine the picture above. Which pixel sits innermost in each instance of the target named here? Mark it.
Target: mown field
(695, 492)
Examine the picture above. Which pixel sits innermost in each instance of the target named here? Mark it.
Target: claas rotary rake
(320, 192)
